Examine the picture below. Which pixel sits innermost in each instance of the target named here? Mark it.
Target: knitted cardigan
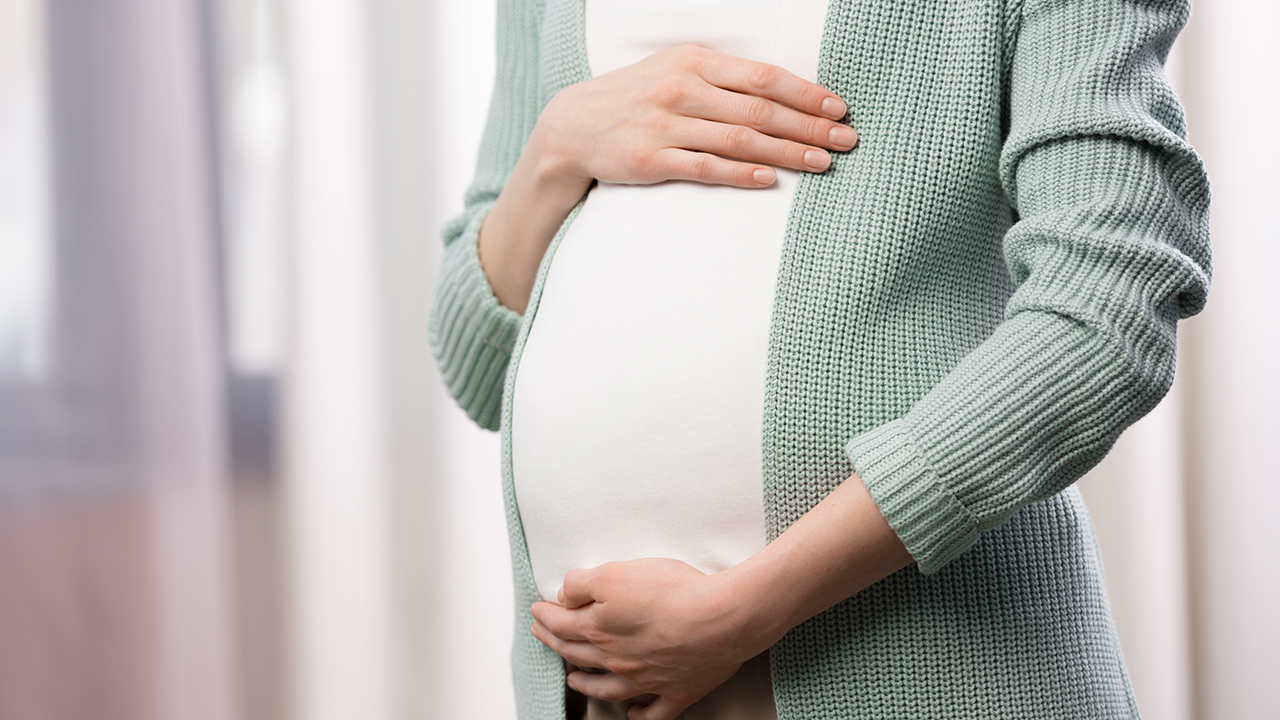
(970, 307)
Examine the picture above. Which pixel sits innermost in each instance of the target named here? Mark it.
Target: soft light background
(231, 486)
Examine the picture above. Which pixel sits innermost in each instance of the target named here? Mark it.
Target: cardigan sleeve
(471, 333)
(1109, 251)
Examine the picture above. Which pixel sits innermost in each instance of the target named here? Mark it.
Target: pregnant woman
(791, 412)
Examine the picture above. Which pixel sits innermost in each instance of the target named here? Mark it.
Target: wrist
(834, 551)
(760, 609)
(532, 206)
(551, 168)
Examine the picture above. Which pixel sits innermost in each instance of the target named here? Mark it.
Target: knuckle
(792, 154)
(737, 140)
(762, 76)
(700, 168)
(621, 667)
(640, 160)
(816, 130)
(759, 111)
(690, 56)
(810, 97)
(666, 92)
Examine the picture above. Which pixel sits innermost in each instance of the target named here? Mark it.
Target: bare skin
(685, 113)
(660, 627)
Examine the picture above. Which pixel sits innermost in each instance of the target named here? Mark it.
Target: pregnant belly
(638, 402)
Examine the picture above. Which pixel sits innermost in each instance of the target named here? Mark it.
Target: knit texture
(971, 306)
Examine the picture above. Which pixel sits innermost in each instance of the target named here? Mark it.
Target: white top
(639, 398)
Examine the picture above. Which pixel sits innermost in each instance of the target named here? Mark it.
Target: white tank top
(638, 404)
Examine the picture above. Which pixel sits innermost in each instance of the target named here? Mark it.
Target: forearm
(840, 547)
(524, 219)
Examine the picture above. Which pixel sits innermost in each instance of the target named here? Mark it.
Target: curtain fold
(116, 599)
(1184, 504)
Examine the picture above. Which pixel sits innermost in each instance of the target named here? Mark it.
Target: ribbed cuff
(471, 333)
(930, 521)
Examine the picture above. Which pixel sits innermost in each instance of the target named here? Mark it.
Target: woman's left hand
(660, 626)
(656, 626)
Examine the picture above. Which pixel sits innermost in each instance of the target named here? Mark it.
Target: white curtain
(115, 594)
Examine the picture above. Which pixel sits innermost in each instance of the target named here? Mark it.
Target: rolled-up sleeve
(1109, 251)
(471, 333)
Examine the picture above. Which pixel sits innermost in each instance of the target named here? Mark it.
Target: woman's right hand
(689, 113)
(684, 113)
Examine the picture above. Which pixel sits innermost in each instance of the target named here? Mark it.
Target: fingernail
(817, 159)
(843, 137)
(764, 176)
(834, 108)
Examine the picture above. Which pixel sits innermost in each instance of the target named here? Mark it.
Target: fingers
(764, 80)
(563, 623)
(582, 654)
(677, 164)
(744, 143)
(603, 686)
(770, 118)
(664, 708)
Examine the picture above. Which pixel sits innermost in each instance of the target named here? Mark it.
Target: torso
(637, 410)
(894, 268)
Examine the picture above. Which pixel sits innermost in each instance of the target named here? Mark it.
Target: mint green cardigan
(970, 308)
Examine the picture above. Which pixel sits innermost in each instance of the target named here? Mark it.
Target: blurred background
(231, 486)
